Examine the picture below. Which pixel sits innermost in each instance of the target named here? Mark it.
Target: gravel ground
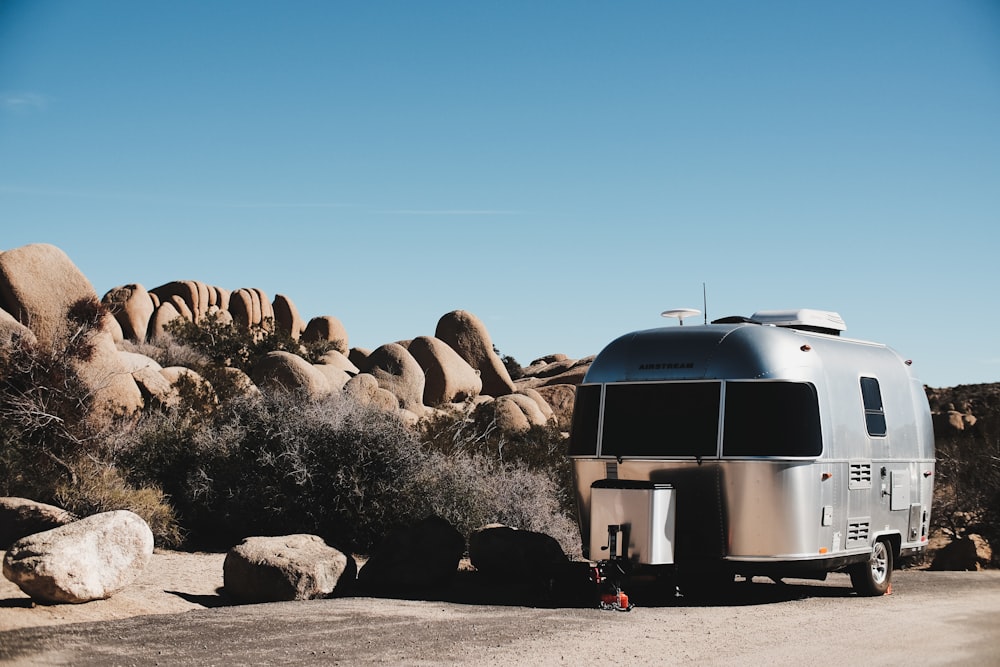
(175, 616)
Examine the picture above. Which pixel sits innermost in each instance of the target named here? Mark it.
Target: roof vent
(805, 319)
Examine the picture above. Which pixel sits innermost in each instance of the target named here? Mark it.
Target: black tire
(874, 576)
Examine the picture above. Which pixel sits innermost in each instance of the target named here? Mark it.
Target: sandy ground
(173, 582)
(174, 615)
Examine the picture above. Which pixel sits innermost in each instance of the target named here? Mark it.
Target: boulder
(135, 361)
(110, 325)
(540, 401)
(183, 309)
(335, 376)
(364, 389)
(39, 285)
(13, 332)
(964, 554)
(113, 391)
(560, 398)
(241, 307)
(280, 369)
(163, 315)
(545, 369)
(189, 297)
(89, 559)
(326, 329)
(357, 356)
(263, 307)
(290, 567)
(240, 381)
(399, 373)
(20, 517)
(502, 553)
(153, 386)
(516, 413)
(286, 317)
(180, 375)
(448, 378)
(468, 336)
(156, 389)
(424, 555)
(338, 360)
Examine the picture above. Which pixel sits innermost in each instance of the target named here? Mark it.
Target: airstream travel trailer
(767, 445)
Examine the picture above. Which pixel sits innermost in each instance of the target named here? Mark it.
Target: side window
(586, 416)
(871, 396)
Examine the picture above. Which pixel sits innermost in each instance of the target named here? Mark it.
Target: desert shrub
(279, 464)
(226, 343)
(510, 363)
(471, 490)
(967, 484)
(99, 487)
(541, 449)
(50, 450)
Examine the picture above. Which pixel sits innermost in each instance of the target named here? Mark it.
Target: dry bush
(470, 491)
(98, 487)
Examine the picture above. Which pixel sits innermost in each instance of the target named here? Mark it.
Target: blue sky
(563, 170)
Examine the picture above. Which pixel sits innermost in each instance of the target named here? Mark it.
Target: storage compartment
(643, 515)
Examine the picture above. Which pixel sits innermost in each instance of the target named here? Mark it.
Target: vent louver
(857, 532)
(860, 475)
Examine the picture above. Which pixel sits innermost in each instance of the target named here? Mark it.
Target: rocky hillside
(45, 300)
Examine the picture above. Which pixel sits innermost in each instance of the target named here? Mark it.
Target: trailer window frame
(636, 430)
(874, 407)
(771, 419)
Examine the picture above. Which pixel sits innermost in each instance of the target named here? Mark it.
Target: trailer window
(871, 396)
(675, 419)
(771, 419)
(586, 413)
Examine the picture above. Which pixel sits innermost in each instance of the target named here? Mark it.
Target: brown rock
(539, 400)
(516, 413)
(39, 285)
(338, 360)
(289, 371)
(113, 390)
(20, 517)
(132, 307)
(468, 336)
(326, 328)
(286, 317)
(560, 398)
(364, 389)
(185, 295)
(290, 567)
(424, 555)
(241, 307)
(89, 559)
(448, 378)
(13, 332)
(164, 314)
(398, 372)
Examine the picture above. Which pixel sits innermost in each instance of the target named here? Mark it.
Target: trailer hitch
(609, 573)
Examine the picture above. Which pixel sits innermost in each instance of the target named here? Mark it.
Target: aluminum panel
(647, 515)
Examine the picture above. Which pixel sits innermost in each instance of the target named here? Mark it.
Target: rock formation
(290, 567)
(89, 559)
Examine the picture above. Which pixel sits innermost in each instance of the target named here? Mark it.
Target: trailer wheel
(873, 577)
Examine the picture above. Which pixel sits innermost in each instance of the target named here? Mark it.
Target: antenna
(704, 300)
(680, 313)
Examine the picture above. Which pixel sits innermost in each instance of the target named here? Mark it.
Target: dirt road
(931, 618)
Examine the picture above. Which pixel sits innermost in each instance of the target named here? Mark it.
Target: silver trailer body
(788, 450)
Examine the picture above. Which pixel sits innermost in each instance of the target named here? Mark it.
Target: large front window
(681, 420)
(771, 419)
